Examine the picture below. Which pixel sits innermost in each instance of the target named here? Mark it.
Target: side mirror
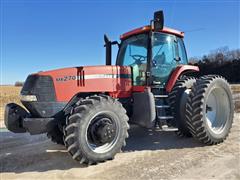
(158, 21)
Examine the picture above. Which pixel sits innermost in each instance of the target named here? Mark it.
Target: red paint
(148, 28)
(138, 88)
(117, 87)
(135, 31)
(92, 81)
(177, 72)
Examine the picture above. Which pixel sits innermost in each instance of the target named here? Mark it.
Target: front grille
(41, 86)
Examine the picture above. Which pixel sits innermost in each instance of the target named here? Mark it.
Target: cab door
(164, 57)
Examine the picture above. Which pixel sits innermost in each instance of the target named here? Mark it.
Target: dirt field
(148, 155)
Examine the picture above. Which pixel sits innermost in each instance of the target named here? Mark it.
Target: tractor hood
(62, 84)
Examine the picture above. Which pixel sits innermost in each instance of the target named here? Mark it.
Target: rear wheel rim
(106, 122)
(217, 110)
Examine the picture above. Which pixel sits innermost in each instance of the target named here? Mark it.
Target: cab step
(162, 106)
(161, 96)
(165, 117)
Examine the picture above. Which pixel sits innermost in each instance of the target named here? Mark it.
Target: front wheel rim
(93, 138)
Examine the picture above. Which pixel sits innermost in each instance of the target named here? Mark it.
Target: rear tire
(210, 109)
(96, 129)
(177, 100)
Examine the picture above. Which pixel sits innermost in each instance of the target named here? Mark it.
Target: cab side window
(182, 51)
(133, 52)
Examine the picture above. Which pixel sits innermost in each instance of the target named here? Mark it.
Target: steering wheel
(139, 58)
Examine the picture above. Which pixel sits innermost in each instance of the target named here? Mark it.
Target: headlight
(28, 98)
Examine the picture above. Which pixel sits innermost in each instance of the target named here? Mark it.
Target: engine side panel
(69, 81)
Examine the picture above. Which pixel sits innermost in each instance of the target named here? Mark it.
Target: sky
(39, 35)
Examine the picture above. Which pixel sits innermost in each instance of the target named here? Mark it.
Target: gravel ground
(148, 155)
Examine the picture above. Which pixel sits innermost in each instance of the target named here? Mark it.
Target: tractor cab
(152, 55)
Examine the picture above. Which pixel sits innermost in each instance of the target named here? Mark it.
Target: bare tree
(221, 61)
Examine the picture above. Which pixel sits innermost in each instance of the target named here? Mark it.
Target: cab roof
(145, 29)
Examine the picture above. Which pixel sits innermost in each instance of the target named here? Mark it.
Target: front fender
(177, 73)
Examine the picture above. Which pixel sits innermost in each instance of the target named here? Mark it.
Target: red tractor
(89, 108)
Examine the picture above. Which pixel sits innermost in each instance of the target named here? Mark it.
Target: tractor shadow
(21, 153)
(150, 139)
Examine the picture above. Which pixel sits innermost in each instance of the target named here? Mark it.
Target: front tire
(96, 129)
(210, 109)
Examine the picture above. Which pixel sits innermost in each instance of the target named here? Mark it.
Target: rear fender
(180, 70)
